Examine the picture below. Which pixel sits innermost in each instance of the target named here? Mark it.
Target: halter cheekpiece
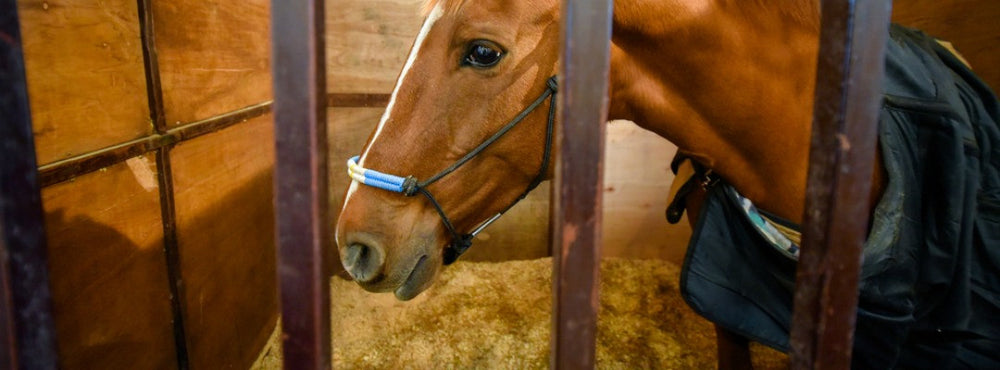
(410, 186)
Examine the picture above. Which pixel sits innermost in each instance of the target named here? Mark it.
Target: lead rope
(409, 185)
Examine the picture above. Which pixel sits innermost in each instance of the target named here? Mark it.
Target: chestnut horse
(730, 82)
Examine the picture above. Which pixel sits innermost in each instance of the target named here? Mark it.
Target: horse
(730, 82)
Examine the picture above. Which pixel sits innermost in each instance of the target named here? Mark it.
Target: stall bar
(27, 330)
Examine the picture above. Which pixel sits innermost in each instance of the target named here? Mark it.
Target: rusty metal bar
(579, 178)
(301, 181)
(27, 340)
(848, 94)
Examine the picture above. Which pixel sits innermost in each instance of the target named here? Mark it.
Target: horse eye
(482, 56)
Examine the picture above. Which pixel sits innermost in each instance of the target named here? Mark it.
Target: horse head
(465, 134)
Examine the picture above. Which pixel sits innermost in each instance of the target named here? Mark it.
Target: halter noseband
(410, 186)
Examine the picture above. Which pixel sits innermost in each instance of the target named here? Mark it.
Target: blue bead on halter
(410, 186)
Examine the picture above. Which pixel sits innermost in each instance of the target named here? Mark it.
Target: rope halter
(410, 186)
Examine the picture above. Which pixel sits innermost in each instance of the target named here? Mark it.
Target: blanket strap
(690, 175)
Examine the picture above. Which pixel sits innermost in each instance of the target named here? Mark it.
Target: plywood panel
(214, 56)
(223, 197)
(85, 75)
(108, 272)
(368, 42)
(637, 180)
(971, 25)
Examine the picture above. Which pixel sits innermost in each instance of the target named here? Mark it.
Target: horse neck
(730, 85)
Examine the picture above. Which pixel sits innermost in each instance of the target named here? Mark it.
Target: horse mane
(802, 12)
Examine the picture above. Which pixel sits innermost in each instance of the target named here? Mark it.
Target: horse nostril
(362, 262)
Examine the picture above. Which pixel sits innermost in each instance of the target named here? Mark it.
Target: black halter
(410, 186)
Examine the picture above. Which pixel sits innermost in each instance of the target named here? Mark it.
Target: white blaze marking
(435, 14)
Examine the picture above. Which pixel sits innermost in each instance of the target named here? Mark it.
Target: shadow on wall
(111, 300)
(111, 292)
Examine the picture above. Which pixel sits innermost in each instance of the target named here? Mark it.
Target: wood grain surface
(225, 220)
(214, 56)
(85, 75)
(367, 43)
(109, 282)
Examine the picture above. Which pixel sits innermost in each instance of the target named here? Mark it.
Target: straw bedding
(497, 315)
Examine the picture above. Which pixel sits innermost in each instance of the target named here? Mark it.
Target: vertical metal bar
(300, 180)
(164, 176)
(28, 337)
(152, 64)
(848, 94)
(579, 178)
(171, 251)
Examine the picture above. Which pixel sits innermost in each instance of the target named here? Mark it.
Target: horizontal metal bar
(69, 168)
(66, 169)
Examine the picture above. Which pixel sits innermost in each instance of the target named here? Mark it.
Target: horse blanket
(929, 291)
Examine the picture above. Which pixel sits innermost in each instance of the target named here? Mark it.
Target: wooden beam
(579, 177)
(298, 57)
(848, 96)
(27, 329)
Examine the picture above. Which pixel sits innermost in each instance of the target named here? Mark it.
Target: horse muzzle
(374, 269)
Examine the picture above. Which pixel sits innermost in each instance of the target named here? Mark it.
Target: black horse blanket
(929, 294)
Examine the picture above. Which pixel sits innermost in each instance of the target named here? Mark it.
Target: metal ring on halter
(410, 186)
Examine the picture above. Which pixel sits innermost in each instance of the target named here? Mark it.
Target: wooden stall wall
(85, 75)
(214, 58)
(110, 289)
(225, 237)
(161, 257)
(971, 25)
